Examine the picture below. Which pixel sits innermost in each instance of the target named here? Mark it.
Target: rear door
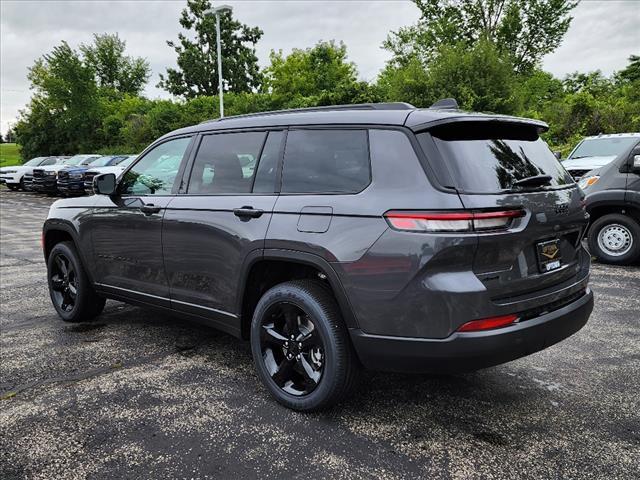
(219, 220)
(542, 247)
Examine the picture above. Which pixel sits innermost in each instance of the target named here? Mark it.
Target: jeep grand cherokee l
(378, 235)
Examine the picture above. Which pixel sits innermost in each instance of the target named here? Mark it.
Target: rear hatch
(488, 162)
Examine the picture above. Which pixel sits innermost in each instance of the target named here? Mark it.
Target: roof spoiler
(446, 104)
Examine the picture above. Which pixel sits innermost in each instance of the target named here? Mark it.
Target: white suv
(14, 176)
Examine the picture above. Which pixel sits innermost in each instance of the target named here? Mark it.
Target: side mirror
(104, 184)
(558, 155)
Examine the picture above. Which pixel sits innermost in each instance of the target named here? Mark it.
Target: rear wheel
(71, 292)
(615, 238)
(301, 347)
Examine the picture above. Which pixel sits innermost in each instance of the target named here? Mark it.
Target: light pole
(217, 11)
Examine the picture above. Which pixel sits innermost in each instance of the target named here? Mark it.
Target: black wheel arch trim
(56, 224)
(296, 256)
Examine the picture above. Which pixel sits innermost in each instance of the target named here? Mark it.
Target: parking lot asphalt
(136, 394)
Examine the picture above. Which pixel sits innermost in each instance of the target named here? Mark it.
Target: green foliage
(114, 69)
(479, 78)
(63, 115)
(197, 72)
(526, 31)
(10, 154)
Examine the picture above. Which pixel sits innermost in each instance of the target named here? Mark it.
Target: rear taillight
(488, 323)
(451, 221)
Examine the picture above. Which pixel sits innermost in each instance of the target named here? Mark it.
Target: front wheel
(301, 347)
(71, 291)
(615, 239)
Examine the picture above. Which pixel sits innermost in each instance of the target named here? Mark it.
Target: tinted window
(489, 158)
(226, 163)
(326, 161)
(156, 172)
(265, 181)
(34, 161)
(49, 161)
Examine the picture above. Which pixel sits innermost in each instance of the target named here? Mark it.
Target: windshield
(127, 162)
(491, 158)
(74, 160)
(89, 161)
(603, 147)
(102, 161)
(34, 161)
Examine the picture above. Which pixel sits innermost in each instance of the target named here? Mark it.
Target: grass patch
(10, 154)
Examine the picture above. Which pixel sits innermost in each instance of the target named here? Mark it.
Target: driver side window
(156, 172)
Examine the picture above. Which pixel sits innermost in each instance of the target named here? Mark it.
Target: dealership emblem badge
(550, 250)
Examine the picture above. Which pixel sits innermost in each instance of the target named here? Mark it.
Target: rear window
(489, 157)
(326, 161)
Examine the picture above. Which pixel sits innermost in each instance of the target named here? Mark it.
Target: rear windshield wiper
(534, 181)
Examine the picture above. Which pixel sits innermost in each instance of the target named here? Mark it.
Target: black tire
(611, 231)
(328, 352)
(22, 185)
(65, 274)
(13, 188)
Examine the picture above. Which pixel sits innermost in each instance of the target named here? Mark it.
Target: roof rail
(355, 106)
(446, 104)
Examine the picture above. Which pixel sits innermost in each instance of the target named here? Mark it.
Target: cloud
(602, 35)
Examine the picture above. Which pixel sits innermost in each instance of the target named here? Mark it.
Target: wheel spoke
(310, 339)
(56, 283)
(272, 336)
(73, 291)
(291, 319)
(61, 265)
(283, 373)
(308, 372)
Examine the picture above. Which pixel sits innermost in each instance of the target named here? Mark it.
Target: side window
(265, 181)
(226, 163)
(326, 161)
(156, 172)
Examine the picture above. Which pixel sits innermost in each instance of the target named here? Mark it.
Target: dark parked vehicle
(378, 235)
(613, 201)
(45, 180)
(71, 179)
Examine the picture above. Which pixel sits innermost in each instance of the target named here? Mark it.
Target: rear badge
(548, 255)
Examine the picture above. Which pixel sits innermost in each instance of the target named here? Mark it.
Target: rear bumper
(462, 352)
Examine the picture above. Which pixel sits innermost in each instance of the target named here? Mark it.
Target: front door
(219, 221)
(126, 229)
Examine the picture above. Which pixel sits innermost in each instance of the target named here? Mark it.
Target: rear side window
(226, 163)
(326, 161)
(489, 157)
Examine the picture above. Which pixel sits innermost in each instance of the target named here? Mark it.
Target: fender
(605, 198)
(296, 256)
(57, 224)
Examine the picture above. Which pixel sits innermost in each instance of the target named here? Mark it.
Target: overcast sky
(602, 36)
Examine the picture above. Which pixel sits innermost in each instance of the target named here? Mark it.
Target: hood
(53, 168)
(75, 168)
(588, 163)
(15, 168)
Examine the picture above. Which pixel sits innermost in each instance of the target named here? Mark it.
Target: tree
(197, 72)
(114, 69)
(525, 30)
(632, 71)
(479, 78)
(1, 138)
(63, 114)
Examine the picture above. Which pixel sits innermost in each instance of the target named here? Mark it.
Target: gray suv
(378, 236)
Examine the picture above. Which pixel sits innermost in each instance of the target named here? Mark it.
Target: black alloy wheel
(301, 347)
(70, 289)
(64, 283)
(292, 349)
